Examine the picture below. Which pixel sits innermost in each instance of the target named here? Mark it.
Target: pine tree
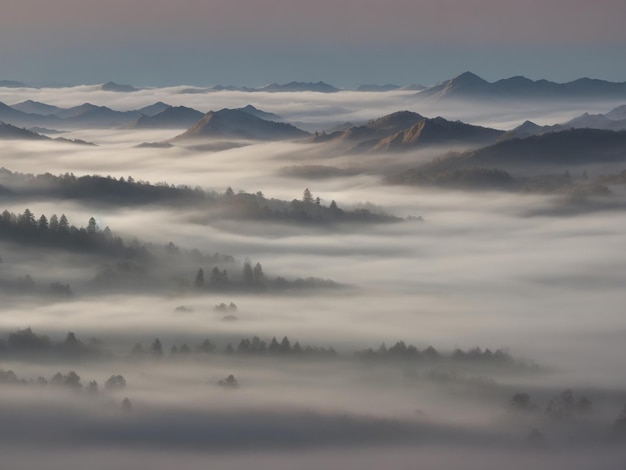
(248, 275)
(307, 197)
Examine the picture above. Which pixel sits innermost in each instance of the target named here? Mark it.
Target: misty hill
(471, 86)
(592, 121)
(172, 117)
(404, 130)
(617, 113)
(238, 124)
(12, 84)
(373, 130)
(437, 131)
(36, 107)
(112, 86)
(555, 149)
(153, 109)
(319, 87)
(7, 131)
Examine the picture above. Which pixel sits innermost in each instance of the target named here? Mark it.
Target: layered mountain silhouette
(35, 114)
(469, 86)
(239, 124)
(554, 149)
(405, 130)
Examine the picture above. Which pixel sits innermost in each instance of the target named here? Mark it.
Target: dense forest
(100, 190)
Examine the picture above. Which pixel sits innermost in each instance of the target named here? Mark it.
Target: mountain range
(469, 86)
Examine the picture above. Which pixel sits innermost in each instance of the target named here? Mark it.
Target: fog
(505, 271)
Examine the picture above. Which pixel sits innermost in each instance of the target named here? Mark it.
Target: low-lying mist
(364, 276)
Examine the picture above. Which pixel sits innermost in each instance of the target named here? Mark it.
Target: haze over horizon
(346, 42)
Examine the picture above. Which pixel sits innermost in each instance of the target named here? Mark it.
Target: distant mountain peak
(467, 76)
(469, 86)
(112, 86)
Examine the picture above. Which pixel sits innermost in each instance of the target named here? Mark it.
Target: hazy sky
(345, 42)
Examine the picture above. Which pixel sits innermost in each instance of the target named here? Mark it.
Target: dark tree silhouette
(307, 197)
(115, 382)
(248, 274)
(156, 348)
(199, 281)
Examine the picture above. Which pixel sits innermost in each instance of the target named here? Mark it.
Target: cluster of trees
(26, 284)
(254, 346)
(566, 405)
(308, 209)
(250, 278)
(253, 279)
(71, 380)
(57, 232)
(25, 342)
(402, 351)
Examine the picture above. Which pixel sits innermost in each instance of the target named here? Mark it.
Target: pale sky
(344, 42)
